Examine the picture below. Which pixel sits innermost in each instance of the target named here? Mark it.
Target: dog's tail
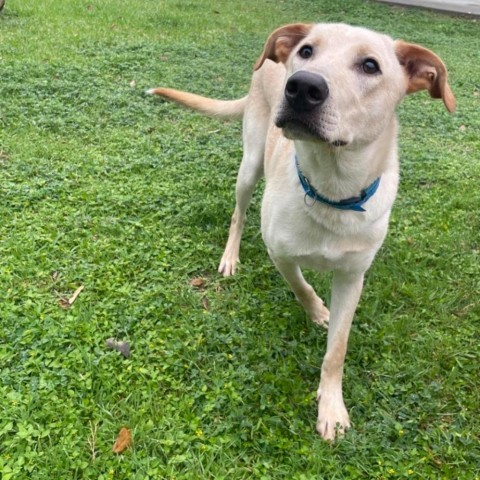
(227, 109)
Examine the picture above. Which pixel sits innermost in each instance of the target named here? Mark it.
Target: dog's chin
(296, 129)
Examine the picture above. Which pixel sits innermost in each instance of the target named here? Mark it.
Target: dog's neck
(342, 172)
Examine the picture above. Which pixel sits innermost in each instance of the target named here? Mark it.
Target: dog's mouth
(296, 128)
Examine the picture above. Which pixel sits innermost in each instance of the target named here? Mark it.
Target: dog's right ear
(281, 42)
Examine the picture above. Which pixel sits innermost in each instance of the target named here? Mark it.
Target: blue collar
(352, 203)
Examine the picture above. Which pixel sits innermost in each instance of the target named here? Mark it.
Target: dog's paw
(321, 315)
(317, 310)
(333, 420)
(228, 265)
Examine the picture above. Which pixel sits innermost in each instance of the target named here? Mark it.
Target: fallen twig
(68, 302)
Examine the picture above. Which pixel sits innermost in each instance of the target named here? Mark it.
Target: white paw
(320, 315)
(333, 420)
(316, 309)
(227, 265)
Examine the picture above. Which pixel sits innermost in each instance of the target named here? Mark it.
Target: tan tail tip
(151, 91)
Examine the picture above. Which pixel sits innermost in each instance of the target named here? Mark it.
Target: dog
(319, 123)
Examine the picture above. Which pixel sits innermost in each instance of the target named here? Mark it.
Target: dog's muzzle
(306, 91)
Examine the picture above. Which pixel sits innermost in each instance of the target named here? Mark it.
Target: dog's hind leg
(303, 291)
(251, 170)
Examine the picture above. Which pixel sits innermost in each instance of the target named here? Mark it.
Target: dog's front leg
(332, 415)
(303, 291)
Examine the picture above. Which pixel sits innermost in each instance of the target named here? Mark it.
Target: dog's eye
(370, 66)
(306, 51)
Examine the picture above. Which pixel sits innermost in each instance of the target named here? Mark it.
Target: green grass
(131, 197)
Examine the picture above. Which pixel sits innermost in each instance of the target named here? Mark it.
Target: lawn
(107, 188)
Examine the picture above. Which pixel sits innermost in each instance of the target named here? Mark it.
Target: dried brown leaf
(198, 282)
(123, 441)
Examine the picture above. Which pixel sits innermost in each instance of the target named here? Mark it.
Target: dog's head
(343, 83)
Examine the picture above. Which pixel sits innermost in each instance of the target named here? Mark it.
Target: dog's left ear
(424, 71)
(282, 41)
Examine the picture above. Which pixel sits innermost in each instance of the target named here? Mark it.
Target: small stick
(68, 302)
(76, 293)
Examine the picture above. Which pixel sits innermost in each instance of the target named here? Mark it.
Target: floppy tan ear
(281, 42)
(425, 71)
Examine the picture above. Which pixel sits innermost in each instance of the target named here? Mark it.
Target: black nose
(305, 90)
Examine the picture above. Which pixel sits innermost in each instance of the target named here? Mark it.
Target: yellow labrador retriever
(319, 122)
